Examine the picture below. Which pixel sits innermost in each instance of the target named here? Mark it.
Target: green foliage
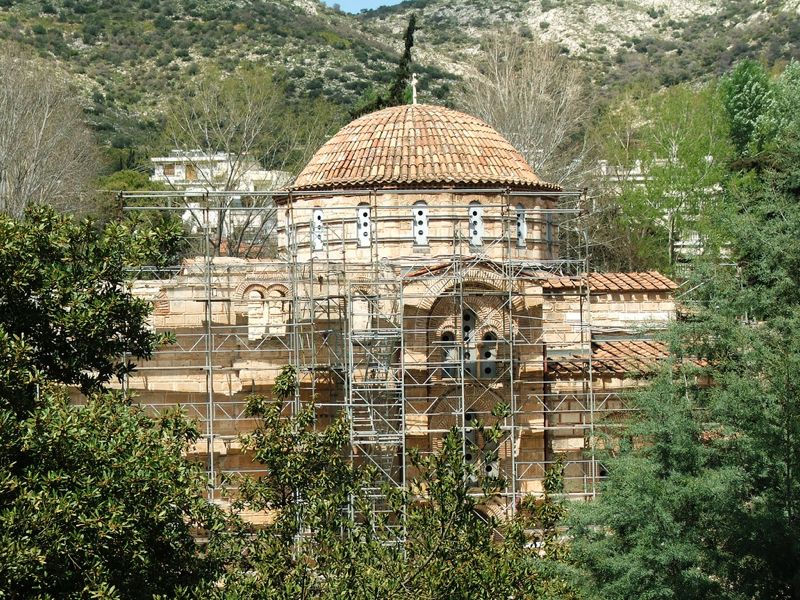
(326, 540)
(138, 54)
(747, 95)
(397, 93)
(370, 100)
(667, 152)
(128, 180)
(705, 503)
(547, 513)
(644, 536)
(97, 501)
(703, 492)
(454, 549)
(64, 299)
(780, 122)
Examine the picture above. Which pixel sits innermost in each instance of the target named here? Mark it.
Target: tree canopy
(96, 497)
(702, 497)
(663, 156)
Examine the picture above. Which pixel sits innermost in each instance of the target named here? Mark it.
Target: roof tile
(452, 147)
(618, 358)
(651, 281)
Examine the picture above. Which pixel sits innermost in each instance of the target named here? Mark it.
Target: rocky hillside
(129, 57)
(619, 40)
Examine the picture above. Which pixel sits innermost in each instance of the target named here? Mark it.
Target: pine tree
(397, 94)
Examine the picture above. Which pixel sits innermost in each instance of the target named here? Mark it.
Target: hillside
(619, 40)
(129, 58)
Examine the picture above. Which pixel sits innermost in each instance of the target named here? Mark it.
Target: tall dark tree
(397, 93)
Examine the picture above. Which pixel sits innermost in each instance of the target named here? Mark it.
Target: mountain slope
(619, 40)
(131, 57)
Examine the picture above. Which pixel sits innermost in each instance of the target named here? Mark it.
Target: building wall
(567, 314)
(331, 225)
(405, 338)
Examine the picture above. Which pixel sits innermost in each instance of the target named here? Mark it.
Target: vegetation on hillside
(128, 58)
(620, 42)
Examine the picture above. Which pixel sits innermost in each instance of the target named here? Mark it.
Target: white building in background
(688, 243)
(200, 171)
(197, 170)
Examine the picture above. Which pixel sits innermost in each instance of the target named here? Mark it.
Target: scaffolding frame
(357, 340)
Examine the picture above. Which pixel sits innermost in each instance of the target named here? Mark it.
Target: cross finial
(414, 82)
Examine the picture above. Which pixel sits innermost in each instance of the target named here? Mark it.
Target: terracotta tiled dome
(418, 144)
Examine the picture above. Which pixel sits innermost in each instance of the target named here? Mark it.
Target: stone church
(421, 278)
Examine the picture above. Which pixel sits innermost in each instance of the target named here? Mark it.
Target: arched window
(449, 354)
(469, 321)
(317, 230)
(277, 312)
(419, 223)
(522, 226)
(256, 322)
(475, 224)
(363, 225)
(488, 360)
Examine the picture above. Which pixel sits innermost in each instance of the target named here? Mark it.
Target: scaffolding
(405, 340)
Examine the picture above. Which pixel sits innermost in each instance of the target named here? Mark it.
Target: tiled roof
(617, 282)
(418, 144)
(619, 358)
(614, 358)
(651, 281)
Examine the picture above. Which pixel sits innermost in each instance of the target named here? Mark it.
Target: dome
(418, 144)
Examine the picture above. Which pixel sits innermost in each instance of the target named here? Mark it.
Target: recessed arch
(445, 414)
(262, 283)
(475, 278)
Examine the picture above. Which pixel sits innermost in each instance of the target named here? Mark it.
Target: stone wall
(393, 226)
